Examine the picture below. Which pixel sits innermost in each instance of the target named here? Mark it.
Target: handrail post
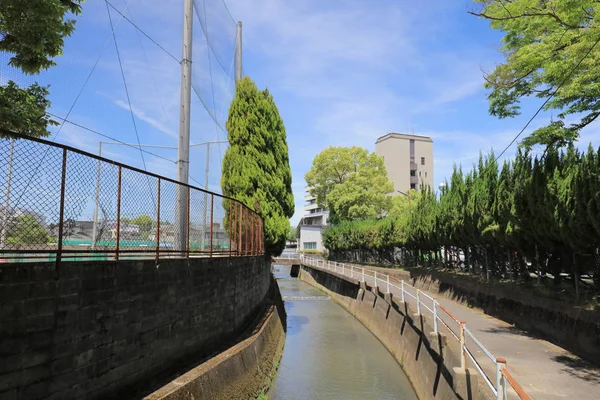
(351, 271)
(363, 274)
(375, 279)
(435, 321)
(402, 291)
(61, 218)
(343, 270)
(500, 379)
(418, 302)
(388, 283)
(463, 349)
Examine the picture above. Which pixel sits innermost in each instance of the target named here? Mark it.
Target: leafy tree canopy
(33, 31)
(256, 168)
(351, 182)
(292, 233)
(544, 41)
(27, 230)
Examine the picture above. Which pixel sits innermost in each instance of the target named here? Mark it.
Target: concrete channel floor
(545, 371)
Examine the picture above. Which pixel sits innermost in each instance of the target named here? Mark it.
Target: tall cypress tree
(256, 168)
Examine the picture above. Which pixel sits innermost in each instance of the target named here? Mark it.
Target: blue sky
(343, 72)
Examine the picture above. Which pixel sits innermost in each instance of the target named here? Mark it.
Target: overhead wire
(212, 88)
(137, 136)
(228, 12)
(160, 97)
(125, 85)
(110, 137)
(143, 33)
(550, 97)
(205, 30)
(68, 113)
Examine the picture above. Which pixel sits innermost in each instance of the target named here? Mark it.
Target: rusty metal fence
(60, 203)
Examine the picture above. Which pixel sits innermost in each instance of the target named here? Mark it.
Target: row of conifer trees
(533, 216)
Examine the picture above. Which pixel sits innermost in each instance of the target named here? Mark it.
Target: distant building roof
(393, 135)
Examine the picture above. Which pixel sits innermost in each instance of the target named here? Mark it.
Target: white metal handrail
(502, 375)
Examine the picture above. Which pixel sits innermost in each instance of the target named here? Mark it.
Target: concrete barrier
(428, 360)
(243, 371)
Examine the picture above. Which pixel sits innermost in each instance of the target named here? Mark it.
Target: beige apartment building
(408, 160)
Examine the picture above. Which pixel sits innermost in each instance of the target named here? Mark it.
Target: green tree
(256, 167)
(292, 233)
(33, 32)
(145, 223)
(544, 41)
(27, 230)
(351, 182)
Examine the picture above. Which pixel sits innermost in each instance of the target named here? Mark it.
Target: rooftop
(393, 135)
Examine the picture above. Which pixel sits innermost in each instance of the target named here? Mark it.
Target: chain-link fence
(60, 203)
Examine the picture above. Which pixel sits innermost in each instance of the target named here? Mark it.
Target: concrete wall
(428, 360)
(103, 330)
(243, 371)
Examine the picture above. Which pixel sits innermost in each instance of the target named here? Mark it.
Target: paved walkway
(545, 371)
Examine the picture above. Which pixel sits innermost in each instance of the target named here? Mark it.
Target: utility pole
(183, 147)
(238, 53)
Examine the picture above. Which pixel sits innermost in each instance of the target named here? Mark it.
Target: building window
(310, 245)
(422, 160)
(413, 186)
(413, 173)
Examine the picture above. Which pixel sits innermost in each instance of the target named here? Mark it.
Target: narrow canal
(329, 354)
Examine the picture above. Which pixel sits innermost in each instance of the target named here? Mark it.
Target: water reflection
(330, 355)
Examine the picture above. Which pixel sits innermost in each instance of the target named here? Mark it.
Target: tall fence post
(188, 217)
(402, 290)
(500, 379)
(435, 321)
(230, 224)
(61, 218)
(463, 349)
(239, 229)
(158, 221)
(118, 213)
(212, 209)
(418, 302)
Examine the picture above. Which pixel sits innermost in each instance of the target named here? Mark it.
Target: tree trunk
(537, 266)
(576, 275)
(596, 266)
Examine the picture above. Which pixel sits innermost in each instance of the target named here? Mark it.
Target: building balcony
(414, 179)
(310, 206)
(413, 165)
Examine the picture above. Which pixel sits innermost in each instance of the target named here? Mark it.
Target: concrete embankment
(243, 371)
(430, 361)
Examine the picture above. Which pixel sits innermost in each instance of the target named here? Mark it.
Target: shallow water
(329, 354)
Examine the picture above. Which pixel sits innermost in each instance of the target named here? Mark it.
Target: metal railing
(60, 203)
(498, 384)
